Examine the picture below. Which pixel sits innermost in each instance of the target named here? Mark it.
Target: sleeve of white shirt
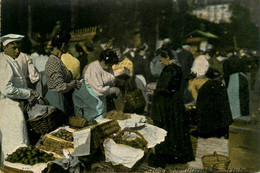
(7, 87)
(33, 74)
(94, 78)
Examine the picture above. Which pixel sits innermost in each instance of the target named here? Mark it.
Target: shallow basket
(47, 122)
(54, 144)
(215, 162)
(77, 121)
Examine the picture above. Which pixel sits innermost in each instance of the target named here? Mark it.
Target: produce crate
(54, 144)
(102, 131)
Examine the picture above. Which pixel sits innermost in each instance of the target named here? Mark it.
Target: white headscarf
(10, 38)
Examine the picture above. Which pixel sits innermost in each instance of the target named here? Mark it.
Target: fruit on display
(64, 134)
(29, 156)
(117, 115)
(136, 143)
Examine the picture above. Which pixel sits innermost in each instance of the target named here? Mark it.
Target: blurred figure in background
(237, 86)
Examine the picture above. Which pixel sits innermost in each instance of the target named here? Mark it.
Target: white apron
(12, 127)
(13, 131)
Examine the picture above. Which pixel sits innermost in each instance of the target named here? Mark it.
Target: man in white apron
(13, 93)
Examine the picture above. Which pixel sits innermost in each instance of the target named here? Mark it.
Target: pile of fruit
(64, 134)
(29, 156)
(117, 115)
(136, 143)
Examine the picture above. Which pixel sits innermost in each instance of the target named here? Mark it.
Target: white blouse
(99, 79)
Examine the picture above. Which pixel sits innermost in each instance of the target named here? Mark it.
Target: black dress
(168, 113)
(213, 110)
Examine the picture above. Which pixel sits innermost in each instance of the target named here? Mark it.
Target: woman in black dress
(168, 113)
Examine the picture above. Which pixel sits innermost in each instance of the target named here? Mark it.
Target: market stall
(122, 139)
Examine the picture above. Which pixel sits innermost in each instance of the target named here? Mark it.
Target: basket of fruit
(57, 141)
(130, 139)
(78, 121)
(25, 158)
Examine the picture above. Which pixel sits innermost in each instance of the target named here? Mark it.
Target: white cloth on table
(121, 154)
(153, 135)
(13, 89)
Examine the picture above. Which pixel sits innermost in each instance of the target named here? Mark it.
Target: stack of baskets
(215, 162)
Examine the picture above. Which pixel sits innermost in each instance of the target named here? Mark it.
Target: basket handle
(40, 98)
(136, 132)
(216, 155)
(82, 112)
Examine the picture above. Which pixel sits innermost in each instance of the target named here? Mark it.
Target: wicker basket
(48, 121)
(102, 131)
(118, 138)
(54, 144)
(215, 162)
(77, 121)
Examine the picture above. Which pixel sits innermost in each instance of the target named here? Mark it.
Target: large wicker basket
(215, 162)
(48, 121)
(77, 121)
(118, 138)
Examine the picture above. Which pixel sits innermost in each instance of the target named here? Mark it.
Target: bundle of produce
(64, 134)
(29, 156)
(116, 115)
(131, 138)
(57, 141)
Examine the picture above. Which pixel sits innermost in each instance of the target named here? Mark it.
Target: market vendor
(13, 94)
(99, 82)
(58, 77)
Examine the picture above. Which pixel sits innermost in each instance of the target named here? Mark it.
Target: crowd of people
(102, 73)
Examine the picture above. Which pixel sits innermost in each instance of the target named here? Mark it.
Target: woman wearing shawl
(168, 113)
